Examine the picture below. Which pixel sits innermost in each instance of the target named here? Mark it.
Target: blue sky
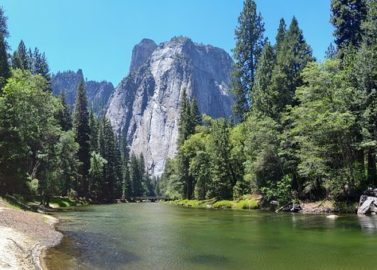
(98, 35)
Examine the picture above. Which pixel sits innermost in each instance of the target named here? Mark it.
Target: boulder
(368, 203)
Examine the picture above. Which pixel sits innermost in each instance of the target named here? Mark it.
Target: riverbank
(253, 202)
(246, 202)
(23, 237)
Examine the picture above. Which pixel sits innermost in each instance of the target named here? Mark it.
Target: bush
(280, 191)
(223, 204)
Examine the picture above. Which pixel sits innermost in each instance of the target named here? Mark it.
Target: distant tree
(196, 116)
(64, 115)
(108, 152)
(40, 65)
(249, 44)
(331, 52)
(82, 135)
(21, 58)
(94, 132)
(135, 176)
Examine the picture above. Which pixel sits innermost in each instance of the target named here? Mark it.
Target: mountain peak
(145, 107)
(141, 52)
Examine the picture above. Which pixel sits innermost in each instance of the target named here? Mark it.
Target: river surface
(159, 236)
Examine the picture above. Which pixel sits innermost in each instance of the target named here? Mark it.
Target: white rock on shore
(23, 237)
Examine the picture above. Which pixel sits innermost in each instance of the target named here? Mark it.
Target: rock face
(98, 93)
(368, 202)
(145, 105)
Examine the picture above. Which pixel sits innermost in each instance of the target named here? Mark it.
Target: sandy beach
(23, 237)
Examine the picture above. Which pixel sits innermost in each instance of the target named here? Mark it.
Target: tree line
(302, 129)
(49, 149)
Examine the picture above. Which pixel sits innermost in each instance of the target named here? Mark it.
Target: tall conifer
(249, 44)
(82, 133)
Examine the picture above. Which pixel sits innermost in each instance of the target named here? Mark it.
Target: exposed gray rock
(141, 53)
(145, 105)
(98, 93)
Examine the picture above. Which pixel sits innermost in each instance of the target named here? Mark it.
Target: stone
(145, 106)
(367, 205)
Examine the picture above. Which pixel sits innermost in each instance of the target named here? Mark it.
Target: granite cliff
(145, 106)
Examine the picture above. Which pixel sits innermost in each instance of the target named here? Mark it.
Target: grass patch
(61, 202)
(223, 204)
(245, 202)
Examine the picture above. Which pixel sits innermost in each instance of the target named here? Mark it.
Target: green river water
(159, 236)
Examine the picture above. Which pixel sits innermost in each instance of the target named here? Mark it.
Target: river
(159, 236)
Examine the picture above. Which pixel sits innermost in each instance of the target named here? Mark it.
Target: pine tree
(40, 65)
(249, 44)
(263, 96)
(82, 134)
(4, 65)
(291, 59)
(64, 115)
(3, 24)
(347, 17)
(108, 152)
(135, 177)
(184, 119)
(331, 51)
(222, 174)
(21, 58)
(196, 116)
(94, 132)
(280, 36)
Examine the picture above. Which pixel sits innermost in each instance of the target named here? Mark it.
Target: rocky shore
(23, 237)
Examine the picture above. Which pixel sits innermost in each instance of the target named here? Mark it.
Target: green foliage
(28, 131)
(263, 94)
(292, 55)
(21, 59)
(323, 128)
(82, 133)
(223, 174)
(97, 164)
(4, 65)
(68, 164)
(280, 191)
(263, 163)
(64, 115)
(347, 17)
(249, 44)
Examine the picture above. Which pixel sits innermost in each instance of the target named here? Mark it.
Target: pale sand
(23, 237)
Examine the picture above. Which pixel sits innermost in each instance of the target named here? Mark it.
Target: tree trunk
(372, 179)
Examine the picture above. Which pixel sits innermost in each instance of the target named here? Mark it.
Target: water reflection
(368, 223)
(157, 236)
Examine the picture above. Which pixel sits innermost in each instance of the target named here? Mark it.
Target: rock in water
(145, 106)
